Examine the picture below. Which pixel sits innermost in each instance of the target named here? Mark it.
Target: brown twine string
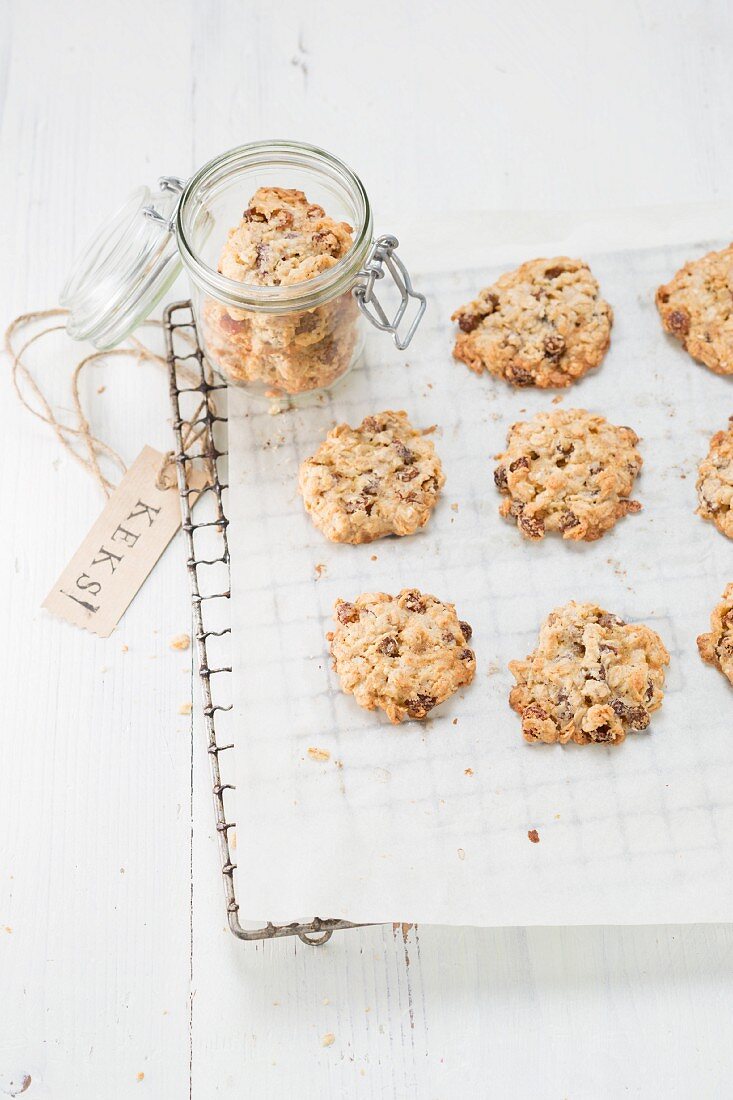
(92, 449)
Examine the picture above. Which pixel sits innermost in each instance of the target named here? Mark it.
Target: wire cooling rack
(199, 402)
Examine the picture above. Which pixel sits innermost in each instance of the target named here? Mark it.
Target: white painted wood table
(117, 975)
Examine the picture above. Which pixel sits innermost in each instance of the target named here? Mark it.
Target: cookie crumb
(454, 507)
(319, 754)
(319, 570)
(534, 836)
(468, 771)
(461, 853)
(181, 641)
(141, 1076)
(328, 1039)
(185, 708)
(373, 557)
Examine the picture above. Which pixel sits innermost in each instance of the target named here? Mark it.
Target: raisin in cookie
(715, 482)
(592, 677)
(404, 653)
(568, 471)
(544, 325)
(282, 240)
(717, 647)
(696, 306)
(382, 478)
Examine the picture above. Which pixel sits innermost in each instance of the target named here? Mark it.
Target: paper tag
(106, 572)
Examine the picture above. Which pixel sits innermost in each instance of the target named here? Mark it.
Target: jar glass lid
(125, 269)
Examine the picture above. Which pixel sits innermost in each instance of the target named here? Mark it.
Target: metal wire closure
(383, 254)
(176, 187)
(191, 383)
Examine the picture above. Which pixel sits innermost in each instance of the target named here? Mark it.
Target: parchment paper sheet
(428, 821)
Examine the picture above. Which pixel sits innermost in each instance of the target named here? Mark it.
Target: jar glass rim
(336, 280)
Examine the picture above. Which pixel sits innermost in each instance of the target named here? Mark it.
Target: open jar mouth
(213, 201)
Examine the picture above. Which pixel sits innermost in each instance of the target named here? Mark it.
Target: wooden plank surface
(112, 967)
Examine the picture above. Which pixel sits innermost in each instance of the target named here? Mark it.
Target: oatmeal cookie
(592, 677)
(283, 239)
(715, 482)
(717, 647)
(544, 325)
(277, 353)
(696, 306)
(568, 471)
(382, 478)
(405, 654)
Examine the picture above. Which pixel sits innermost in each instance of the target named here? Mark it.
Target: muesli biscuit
(405, 654)
(696, 306)
(544, 324)
(569, 471)
(592, 678)
(282, 240)
(717, 647)
(715, 482)
(381, 478)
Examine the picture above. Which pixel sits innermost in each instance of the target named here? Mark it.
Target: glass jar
(292, 320)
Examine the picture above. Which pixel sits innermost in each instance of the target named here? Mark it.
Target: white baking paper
(429, 821)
